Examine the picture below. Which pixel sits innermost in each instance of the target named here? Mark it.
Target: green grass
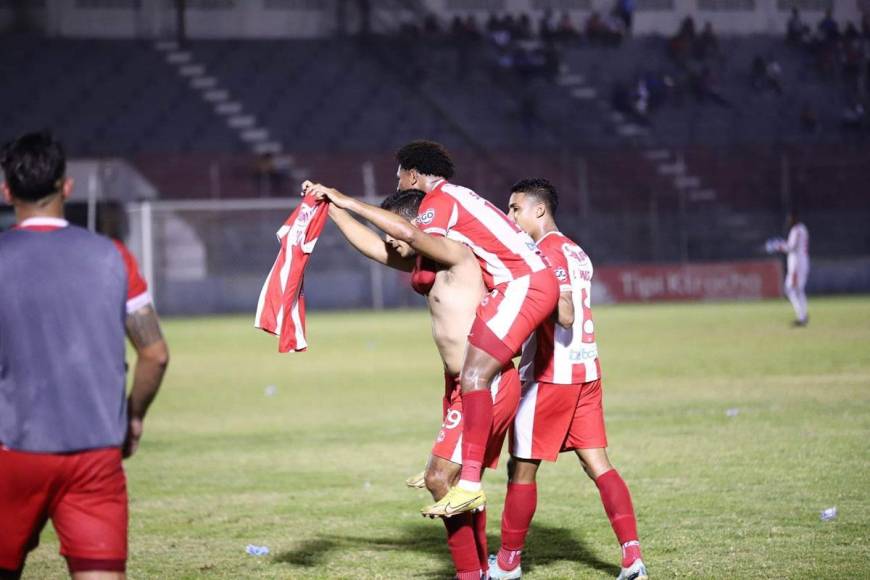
(316, 471)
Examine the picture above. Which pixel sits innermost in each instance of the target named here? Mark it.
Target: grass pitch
(315, 471)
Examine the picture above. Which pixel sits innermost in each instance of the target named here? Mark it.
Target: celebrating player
(522, 293)
(66, 299)
(797, 251)
(453, 291)
(560, 409)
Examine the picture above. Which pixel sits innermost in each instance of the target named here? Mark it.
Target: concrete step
(241, 121)
(179, 57)
(228, 108)
(216, 95)
(203, 82)
(687, 182)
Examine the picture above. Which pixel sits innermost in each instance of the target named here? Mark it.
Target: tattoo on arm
(143, 327)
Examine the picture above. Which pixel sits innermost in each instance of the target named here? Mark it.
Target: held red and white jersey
(504, 251)
(137, 288)
(281, 308)
(555, 354)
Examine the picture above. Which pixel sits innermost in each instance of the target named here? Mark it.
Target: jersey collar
(42, 223)
(547, 234)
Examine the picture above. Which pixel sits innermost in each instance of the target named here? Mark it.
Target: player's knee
(437, 482)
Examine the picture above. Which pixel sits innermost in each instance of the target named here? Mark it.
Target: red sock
(519, 508)
(478, 522)
(460, 541)
(477, 421)
(617, 504)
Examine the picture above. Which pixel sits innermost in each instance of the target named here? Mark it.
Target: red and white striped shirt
(281, 307)
(555, 354)
(137, 288)
(504, 251)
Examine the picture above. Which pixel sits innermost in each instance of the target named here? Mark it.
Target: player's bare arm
(440, 249)
(367, 242)
(143, 330)
(565, 310)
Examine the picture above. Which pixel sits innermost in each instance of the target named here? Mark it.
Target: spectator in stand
(829, 30)
(547, 26)
(457, 29)
(796, 30)
(680, 45)
(599, 31)
(766, 74)
(431, 26)
(706, 45)
(625, 11)
(566, 30)
(472, 31)
(524, 27)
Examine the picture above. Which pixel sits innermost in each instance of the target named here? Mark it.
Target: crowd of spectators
(840, 55)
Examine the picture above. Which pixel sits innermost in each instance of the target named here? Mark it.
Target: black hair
(404, 203)
(427, 157)
(35, 165)
(541, 189)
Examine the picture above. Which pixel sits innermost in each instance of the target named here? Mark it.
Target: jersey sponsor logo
(573, 251)
(425, 218)
(584, 353)
(561, 274)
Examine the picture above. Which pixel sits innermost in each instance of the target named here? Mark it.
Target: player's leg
(504, 320)
(442, 472)
(520, 504)
(27, 481)
(90, 516)
(793, 293)
(588, 438)
(441, 475)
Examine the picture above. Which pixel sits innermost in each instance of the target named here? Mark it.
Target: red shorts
(555, 418)
(509, 314)
(505, 398)
(85, 496)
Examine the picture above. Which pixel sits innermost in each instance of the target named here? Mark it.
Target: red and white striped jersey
(281, 308)
(555, 354)
(504, 251)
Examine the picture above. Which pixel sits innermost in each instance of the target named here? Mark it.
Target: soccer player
(560, 409)
(67, 298)
(453, 290)
(797, 251)
(522, 293)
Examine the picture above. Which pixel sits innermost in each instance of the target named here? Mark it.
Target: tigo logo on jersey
(426, 217)
(561, 275)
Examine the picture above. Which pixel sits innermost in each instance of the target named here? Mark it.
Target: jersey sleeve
(137, 288)
(435, 214)
(559, 264)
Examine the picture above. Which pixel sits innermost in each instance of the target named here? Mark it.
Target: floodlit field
(315, 470)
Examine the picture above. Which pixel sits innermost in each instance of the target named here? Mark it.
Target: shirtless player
(453, 290)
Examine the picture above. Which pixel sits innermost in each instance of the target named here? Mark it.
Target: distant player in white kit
(797, 250)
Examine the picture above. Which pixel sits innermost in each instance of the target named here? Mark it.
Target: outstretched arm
(436, 248)
(367, 242)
